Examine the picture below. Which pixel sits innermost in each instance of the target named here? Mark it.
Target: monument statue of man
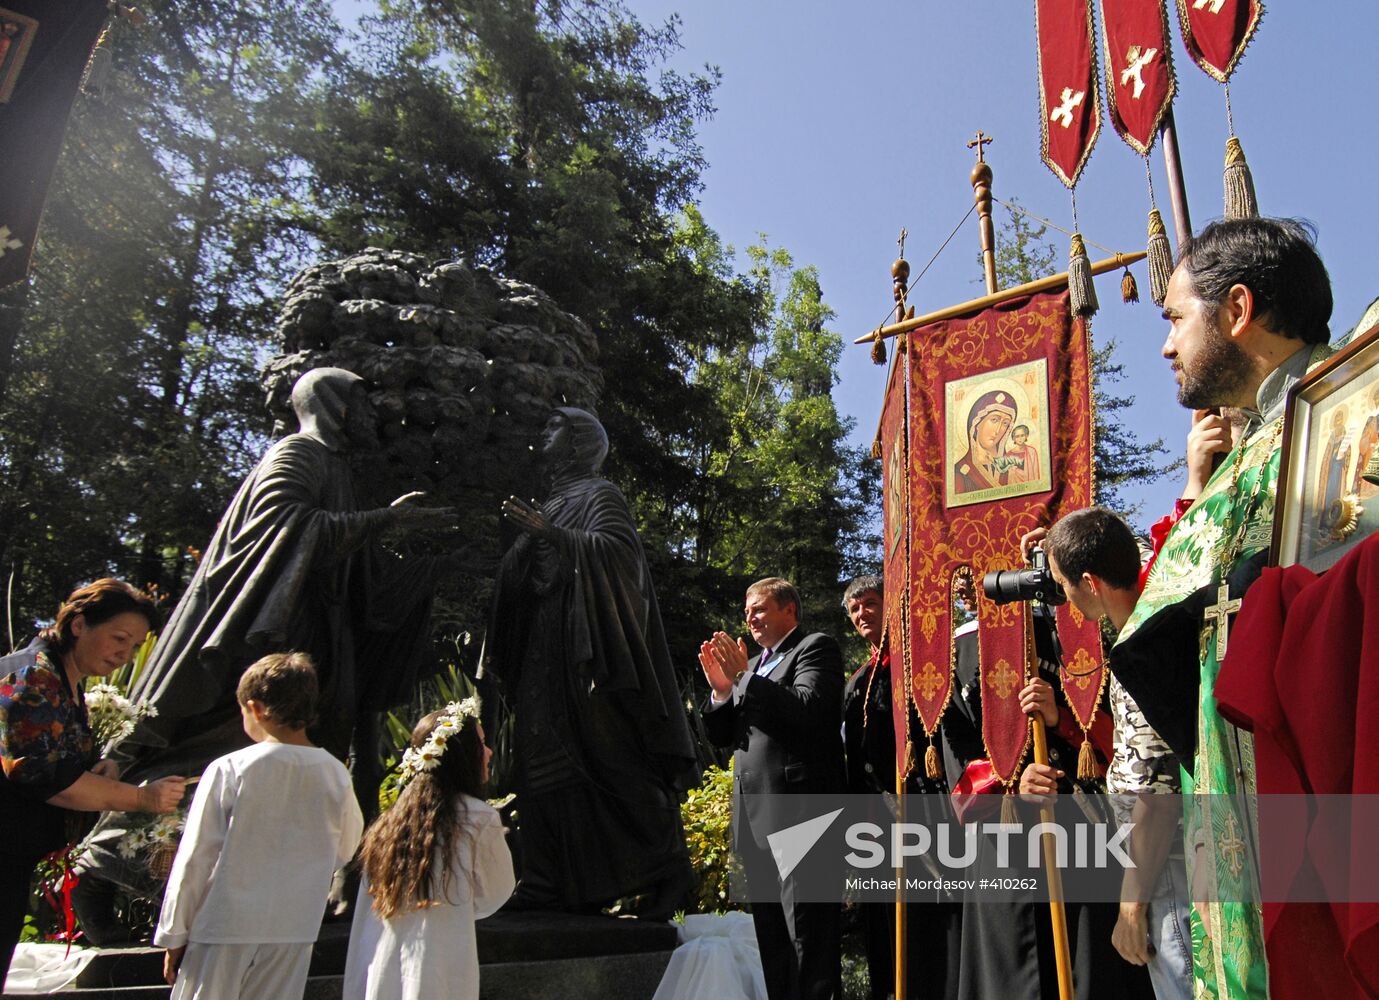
(603, 747)
(292, 566)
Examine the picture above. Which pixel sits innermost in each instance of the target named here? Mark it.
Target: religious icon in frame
(997, 435)
(1326, 504)
(16, 35)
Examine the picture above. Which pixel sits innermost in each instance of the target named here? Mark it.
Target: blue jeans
(1170, 970)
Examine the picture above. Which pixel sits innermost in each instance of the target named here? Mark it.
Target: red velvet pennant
(1216, 32)
(1139, 68)
(1000, 441)
(1084, 671)
(1069, 100)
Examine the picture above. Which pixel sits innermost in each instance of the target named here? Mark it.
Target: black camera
(1033, 584)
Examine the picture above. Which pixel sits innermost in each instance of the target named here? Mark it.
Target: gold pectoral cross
(1221, 611)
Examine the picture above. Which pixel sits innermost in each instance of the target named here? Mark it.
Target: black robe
(603, 745)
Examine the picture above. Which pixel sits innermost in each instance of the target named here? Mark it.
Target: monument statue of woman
(603, 745)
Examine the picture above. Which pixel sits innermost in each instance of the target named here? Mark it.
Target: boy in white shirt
(267, 829)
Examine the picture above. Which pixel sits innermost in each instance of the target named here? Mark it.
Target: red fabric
(1069, 99)
(976, 791)
(1216, 33)
(947, 531)
(1158, 534)
(1083, 671)
(1139, 69)
(1302, 672)
(895, 543)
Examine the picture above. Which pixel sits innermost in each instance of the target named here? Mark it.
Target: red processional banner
(44, 49)
(1069, 99)
(1217, 32)
(999, 442)
(1139, 68)
(895, 553)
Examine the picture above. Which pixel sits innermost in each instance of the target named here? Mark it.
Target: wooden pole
(1115, 263)
(900, 276)
(1177, 192)
(1058, 916)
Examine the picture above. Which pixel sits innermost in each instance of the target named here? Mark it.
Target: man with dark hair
(1248, 304)
(783, 715)
(1094, 557)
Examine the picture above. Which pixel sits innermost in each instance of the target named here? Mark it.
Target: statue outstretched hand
(408, 516)
(527, 518)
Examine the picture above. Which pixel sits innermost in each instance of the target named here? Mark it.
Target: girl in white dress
(432, 865)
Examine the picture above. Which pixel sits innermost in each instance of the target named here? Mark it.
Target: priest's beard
(1217, 374)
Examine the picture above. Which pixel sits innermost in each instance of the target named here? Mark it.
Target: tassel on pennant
(931, 765)
(1080, 288)
(1129, 290)
(878, 349)
(1241, 202)
(1008, 814)
(910, 762)
(876, 448)
(1086, 762)
(1160, 258)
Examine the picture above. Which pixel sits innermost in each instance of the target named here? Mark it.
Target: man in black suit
(782, 713)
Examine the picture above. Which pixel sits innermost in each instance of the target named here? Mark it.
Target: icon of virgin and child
(1001, 430)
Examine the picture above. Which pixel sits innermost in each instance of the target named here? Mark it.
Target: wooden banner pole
(1115, 263)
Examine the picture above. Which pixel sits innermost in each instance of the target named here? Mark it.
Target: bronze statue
(293, 565)
(603, 746)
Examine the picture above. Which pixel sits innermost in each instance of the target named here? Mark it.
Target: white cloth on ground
(431, 951)
(45, 968)
(717, 957)
(268, 827)
(243, 972)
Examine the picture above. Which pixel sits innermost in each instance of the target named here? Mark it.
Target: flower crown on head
(427, 757)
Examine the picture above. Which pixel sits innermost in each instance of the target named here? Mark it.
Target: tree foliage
(238, 141)
(131, 399)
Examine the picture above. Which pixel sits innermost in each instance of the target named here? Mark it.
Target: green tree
(132, 405)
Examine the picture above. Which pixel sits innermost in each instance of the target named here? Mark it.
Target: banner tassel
(1241, 202)
(931, 764)
(1160, 258)
(1080, 288)
(1008, 814)
(1086, 762)
(876, 448)
(878, 349)
(1129, 290)
(910, 762)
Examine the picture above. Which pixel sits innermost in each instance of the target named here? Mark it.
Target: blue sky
(840, 122)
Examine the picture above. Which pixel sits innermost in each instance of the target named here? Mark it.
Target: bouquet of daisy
(112, 715)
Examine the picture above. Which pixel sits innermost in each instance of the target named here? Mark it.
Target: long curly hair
(426, 823)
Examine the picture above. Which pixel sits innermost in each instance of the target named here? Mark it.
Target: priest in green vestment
(1248, 307)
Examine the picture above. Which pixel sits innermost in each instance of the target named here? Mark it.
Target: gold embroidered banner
(1000, 441)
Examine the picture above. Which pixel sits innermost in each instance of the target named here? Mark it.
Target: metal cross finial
(901, 242)
(982, 140)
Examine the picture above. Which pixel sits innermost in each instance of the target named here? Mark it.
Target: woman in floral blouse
(48, 766)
